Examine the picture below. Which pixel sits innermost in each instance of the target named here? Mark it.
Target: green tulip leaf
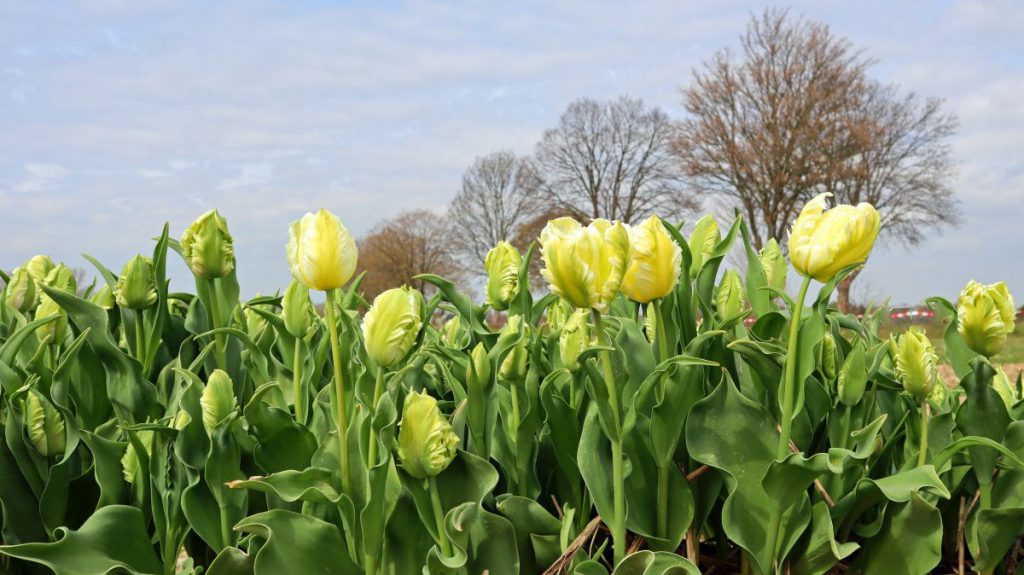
(910, 540)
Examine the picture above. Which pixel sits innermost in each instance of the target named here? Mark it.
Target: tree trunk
(843, 292)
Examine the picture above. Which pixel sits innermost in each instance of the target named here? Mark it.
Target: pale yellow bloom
(22, 291)
(916, 362)
(426, 441)
(321, 251)
(823, 242)
(502, 265)
(574, 339)
(45, 425)
(655, 259)
(985, 316)
(392, 324)
(584, 264)
(218, 399)
(300, 318)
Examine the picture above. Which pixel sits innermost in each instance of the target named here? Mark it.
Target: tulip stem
(618, 521)
(925, 411)
(789, 383)
(435, 503)
(218, 338)
(339, 389)
(663, 478)
(378, 390)
(299, 397)
(140, 340)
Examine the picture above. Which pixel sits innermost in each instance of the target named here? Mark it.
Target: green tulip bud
(731, 295)
(297, 310)
(426, 441)
(104, 297)
(502, 265)
(453, 335)
(513, 367)
(557, 314)
(853, 377)
(1005, 388)
(218, 400)
(22, 291)
(392, 324)
(130, 459)
(38, 267)
(208, 248)
(651, 322)
(985, 316)
(136, 286)
(44, 424)
(702, 242)
(774, 265)
(828, 356)
(575, 338)
(63, 278)
(480, 367)
(916, 362)
(52, 332)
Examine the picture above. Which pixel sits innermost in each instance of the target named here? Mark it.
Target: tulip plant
(654, 413)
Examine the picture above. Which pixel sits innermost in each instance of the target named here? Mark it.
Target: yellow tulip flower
(985, 316)
(584, 264)
(321, 251)
(653, 268)
(822, 242)
(916, 362)
(502, 265)
(392, 324)
(426, 441)
(208, 247)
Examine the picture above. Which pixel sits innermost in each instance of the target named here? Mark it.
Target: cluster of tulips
(650, 415)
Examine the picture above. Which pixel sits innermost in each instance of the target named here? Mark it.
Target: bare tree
(499, 194)
(796, 115)
(612, 160)
(412, 243)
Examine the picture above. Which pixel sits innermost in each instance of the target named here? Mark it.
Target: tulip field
(627, 420)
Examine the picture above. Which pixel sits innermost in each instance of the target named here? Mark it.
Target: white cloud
(39, 178)
(248, 175)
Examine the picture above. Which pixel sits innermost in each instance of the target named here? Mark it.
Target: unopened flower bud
(136, 286)
(513, 367)
(218, 400)
(392, 324)
(297, 310)
(208, 247)
(22, 291)
(45, 425)
(502, 265)
(426, 441)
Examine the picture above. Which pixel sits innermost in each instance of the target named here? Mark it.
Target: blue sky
(116, 116)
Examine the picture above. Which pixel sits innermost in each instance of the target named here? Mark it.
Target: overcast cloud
(116, 116)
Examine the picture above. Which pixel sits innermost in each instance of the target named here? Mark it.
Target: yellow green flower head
(823, 242)
(63, 278)
(575, 338)
(208, 248)
(584, 264)
(104, 297)
(218, 400)
(731, 295)
(557, 314)
(321, 252)
(136, 286)
(52, 332)
(916, 362)
(45, 425)
(480, 366)
(426, 441)
(38, 267)
(655, 259)
(22, 291)
(651, 322)
(392, 324)
(702, 242)
(297, 310)
(774, 265)
(513, 367)
(938, 395)
(502, 265)
(985, 316)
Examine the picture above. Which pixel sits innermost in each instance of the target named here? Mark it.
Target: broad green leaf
(296, 543)
(112, 540)
(651, 563)
(910, 541)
